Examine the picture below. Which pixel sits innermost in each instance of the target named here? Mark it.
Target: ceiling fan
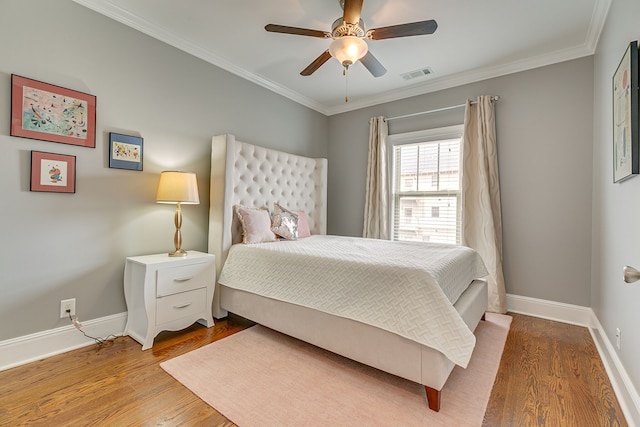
(348, 34)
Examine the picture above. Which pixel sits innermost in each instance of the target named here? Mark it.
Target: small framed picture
(52, 113)
(53, 173)
(125, 152)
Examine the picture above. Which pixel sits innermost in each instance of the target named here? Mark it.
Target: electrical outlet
(67, 304)
(618, 333)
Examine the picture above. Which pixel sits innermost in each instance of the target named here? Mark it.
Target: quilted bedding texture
(403, 287)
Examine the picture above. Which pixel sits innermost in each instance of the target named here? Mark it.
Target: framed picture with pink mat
(53, 173)
(52, 113)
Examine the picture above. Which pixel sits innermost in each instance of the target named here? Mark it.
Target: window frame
(421, 136)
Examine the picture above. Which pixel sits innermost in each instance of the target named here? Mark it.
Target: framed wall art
(125, 152)
(625, 116)
(53, 173)
(52, 113)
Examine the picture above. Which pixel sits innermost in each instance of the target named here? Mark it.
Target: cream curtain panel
(376, 205)
(481, 211)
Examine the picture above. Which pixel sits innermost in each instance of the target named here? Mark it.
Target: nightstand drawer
(183, 278)
(181, 305)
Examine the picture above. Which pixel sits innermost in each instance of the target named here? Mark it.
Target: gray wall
(58, 246)
(616, 222)
(544, 139)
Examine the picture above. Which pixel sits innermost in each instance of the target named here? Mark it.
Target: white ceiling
(475, 40)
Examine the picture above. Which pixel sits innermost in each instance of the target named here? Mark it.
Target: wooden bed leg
(484, 316)
(433, 398)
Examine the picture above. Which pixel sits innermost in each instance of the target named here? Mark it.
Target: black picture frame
(626, 161)
(125, 151)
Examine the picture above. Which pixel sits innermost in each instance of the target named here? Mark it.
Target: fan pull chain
(346, 84)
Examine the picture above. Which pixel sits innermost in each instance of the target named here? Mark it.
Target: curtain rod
(437, 110)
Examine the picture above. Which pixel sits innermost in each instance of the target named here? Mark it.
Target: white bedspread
(403, 287)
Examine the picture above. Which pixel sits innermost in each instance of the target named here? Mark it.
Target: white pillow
(256, 225)
(284, 223)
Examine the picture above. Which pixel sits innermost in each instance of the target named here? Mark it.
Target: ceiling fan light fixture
(348, 49)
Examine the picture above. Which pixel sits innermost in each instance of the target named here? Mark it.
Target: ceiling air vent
(417, 73)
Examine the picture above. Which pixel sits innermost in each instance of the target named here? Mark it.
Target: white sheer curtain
(376, 205)
(481, 211)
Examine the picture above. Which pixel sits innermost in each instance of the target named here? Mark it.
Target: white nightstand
(166, 293)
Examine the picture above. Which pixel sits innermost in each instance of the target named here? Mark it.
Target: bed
(423, 349)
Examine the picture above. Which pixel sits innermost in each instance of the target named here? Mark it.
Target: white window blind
(426, 186)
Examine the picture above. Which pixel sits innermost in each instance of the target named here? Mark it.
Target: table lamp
(179, 188)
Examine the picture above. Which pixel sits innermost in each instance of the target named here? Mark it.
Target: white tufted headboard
(258, 177)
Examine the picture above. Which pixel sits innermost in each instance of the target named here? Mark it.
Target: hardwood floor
(550, 375)
(113, 385)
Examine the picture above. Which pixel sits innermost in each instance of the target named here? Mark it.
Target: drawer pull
(186, 304)
(183, 279)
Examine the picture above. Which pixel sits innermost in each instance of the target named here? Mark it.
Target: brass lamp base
(177, 237)
(179, 252)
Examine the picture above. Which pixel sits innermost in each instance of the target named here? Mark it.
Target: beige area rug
(259, 377)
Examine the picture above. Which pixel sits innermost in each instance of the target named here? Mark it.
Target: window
(426, 174)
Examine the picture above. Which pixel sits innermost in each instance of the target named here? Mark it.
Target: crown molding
(467, 77)
(598, 18)
(108, 9)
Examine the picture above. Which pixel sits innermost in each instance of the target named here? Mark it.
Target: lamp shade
(348, 49)
(178, 187)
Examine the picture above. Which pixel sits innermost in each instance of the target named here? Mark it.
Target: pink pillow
(303, 225)
(256, 225)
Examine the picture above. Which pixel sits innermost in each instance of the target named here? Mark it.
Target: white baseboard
(625, 391)
(21, 350)
(584, 316)
(551, 310)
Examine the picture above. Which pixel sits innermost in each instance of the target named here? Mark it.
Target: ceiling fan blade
(403, 30)
(352, 9)
(294, 30)
(372, 64)
(311, 68)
